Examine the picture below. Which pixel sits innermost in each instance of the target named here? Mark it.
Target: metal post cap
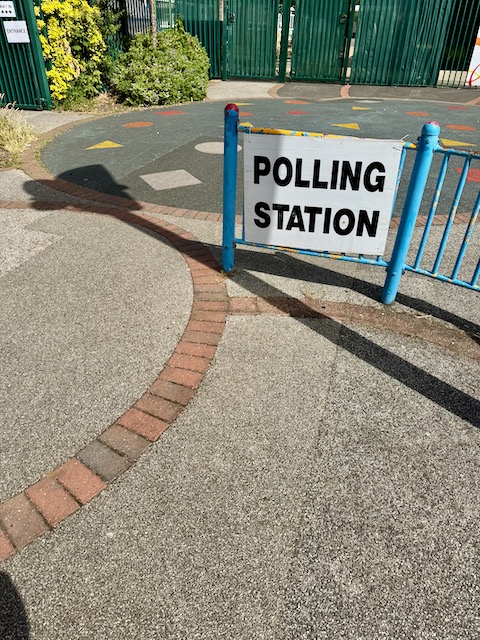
(431, 128)
(231, 107)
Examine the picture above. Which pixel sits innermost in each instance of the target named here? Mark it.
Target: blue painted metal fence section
(425, 150)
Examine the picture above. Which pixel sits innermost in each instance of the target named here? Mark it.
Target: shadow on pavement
(14, 623)
(429, 386)
(320, 274)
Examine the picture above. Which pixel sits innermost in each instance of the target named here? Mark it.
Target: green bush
(176, 70)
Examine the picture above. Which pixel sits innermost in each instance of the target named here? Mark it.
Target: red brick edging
(62, 491)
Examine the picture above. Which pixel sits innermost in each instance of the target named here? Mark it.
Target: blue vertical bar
(476, 275)
(426, 146)
(466, 239)
(229, 186)
(451, 216)
(433, 209)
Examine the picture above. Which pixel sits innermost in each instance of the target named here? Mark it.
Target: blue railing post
(229, 186)
(427, 143)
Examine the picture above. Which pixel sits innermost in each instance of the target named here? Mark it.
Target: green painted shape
(251, 41)
(23, 78)
(320, 40)
(400, 42)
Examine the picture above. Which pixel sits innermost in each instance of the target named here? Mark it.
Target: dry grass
(15, 135)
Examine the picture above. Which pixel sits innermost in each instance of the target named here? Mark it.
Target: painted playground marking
(348, 125)
(107, 144)
(170, 179)
(212, 148)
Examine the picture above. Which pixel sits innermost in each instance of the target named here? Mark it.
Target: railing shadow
(425, 384)
(14, 623)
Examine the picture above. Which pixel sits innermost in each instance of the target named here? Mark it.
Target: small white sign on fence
(7, 9)
(320, 194)
(16, 31)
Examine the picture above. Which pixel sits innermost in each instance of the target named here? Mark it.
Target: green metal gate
(400, 42)
(22, 70)
(250, 38)
(320, 39)
(202, 19)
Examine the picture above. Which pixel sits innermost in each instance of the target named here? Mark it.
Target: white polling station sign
(320, 194)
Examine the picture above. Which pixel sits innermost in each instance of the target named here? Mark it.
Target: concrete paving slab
(19, 242)
(209, 515)
(43, 121)
(15, 184)
(389, 545)
(91, 310)
(238, 89)
(337, 502)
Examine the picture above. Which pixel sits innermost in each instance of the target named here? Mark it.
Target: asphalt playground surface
(173, 156)
(272, 455)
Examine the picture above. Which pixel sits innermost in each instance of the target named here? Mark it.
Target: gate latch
(343, 18)
(231, 18)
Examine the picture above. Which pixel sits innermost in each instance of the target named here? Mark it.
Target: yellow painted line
(361, 108)
(348, 125)
(455, 143)
(107, 144)
(244, 104)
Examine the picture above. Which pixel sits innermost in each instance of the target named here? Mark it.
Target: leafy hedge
(174, 71)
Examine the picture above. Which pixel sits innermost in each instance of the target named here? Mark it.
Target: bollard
(427, 143)
(229, 186)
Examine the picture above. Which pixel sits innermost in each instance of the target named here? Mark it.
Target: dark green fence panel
(22, 69)
(251, 38)
(202, 19)
(319, 40)
(400, 42)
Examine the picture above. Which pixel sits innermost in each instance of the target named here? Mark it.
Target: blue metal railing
(425, 150)
(468, 160)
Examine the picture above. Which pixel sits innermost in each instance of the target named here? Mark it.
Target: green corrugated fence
(251, 38)
(400, 42)
(319, 38)
(22, 70)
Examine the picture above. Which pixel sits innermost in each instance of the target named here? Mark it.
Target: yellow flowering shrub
(72, 45)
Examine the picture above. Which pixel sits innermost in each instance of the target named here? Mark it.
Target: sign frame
(318, 193)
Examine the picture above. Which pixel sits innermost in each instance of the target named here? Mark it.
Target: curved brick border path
(62, 491)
